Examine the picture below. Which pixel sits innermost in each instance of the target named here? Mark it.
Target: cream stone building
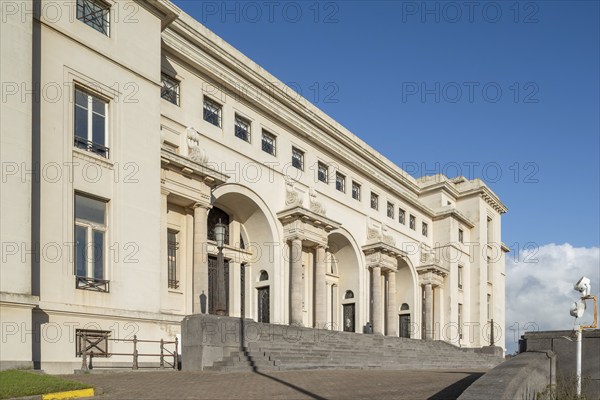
(129, 130)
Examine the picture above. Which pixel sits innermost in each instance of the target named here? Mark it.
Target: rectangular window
(170, 89)
(412, 222)
(212, 112)
(489, 307)
(90, 243)
(490, 270)
(390, 210)
(297, 158)
(340, 182)
(374, 201)
(268, 143)
(355, 191)
(89, 340)
(460, 276)
(90, 123)
(461, 236)
(401, 216)
(322, 172)
(242, 128)
(424, 229)
(95, 14)
(489, 230)
(460, 320)
(172, 247)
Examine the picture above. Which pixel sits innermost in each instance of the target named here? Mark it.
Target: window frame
(358, 186)
(218, 106)
(461, 236)
(173, 265)
(460, 317)
(269, 136)
(87, 143)
(175, 83)
(340, 182)
(297, 158)
(402, 216)
(89, 281)
(460, 277)
(106, 20)
(412, 222)
(424, 228)
(239, 119)
(323, 177)
(390, 210)
(374, 201)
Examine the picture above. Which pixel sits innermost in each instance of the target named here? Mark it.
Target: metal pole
(578, 340)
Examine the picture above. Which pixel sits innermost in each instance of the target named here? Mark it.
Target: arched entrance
(253, 258)
(406, 285)
(344, 281)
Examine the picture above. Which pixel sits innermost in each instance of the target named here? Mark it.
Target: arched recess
(346, 275)
(255, 246)
(407, 295)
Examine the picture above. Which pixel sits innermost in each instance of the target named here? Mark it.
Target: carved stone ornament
(292, 197)
(195, 152)
(387, 239)
(316, 206)
(373, 234)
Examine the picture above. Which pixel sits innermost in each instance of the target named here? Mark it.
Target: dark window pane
(98, 254)
(80, 251)
(81, 122)
(81, 99)
(98, 106)
(98, 129)
(89, 209)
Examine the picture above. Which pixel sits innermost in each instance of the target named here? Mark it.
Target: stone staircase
(319, 349)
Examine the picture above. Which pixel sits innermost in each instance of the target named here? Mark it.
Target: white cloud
(539, 294)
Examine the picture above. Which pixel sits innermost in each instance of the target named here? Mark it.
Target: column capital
(203, 205)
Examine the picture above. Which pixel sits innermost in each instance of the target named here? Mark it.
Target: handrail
(165, 354)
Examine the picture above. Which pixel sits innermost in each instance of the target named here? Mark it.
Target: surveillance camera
(578, 308)
(583, 286)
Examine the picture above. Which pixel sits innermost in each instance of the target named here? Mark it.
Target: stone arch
(256, 226)
(407, 293)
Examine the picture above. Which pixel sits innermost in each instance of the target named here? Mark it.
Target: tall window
(242, 128)
(322, 172)
(374, 201)
(489, 230)
(212, 112)
(401, 216)
(460, 320)
(412, 222)
(460, 276)
(424, 228)
(461, 236)
(340, 182)
(490, 270)
(94, 13)
(390, 210)
(172, 247)
(355, 191)
(489, 307)
(90, 243)
(170, 89)
(90, 123)
(268, 143)
(297, 158)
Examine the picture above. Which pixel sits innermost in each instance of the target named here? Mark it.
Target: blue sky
(526, 119)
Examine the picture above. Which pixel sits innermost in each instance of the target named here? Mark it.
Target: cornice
(210, 176)
(314, 219)
(453, 212)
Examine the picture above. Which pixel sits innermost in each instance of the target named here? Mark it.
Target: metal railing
(90, 146)
(167, 358)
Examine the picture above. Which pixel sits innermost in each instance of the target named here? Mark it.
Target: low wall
(519, 378)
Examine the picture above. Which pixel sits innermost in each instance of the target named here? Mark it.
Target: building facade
(129, 131)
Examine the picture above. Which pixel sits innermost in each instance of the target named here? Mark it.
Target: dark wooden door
(348, 317)
(405, 325)
(263, 304)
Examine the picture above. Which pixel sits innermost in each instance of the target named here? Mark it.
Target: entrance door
(349, 317)
(405, 325)
(263, 304)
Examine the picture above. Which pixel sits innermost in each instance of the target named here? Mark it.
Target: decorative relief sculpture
(195, 152)
(373, 234)
(387, 239)
(292, 196)
(316, 206)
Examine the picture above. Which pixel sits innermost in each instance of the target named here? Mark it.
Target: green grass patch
(18, 383)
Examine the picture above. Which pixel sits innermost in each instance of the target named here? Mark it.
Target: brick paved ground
(328, 384)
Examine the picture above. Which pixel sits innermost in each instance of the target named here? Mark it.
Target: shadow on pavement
(457, 388)
(296, 388)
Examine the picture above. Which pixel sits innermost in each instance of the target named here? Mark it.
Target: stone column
(320, 289)
(297, 288)
(428, 311)
(200, 273)
(377, 301)
(392, 308)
